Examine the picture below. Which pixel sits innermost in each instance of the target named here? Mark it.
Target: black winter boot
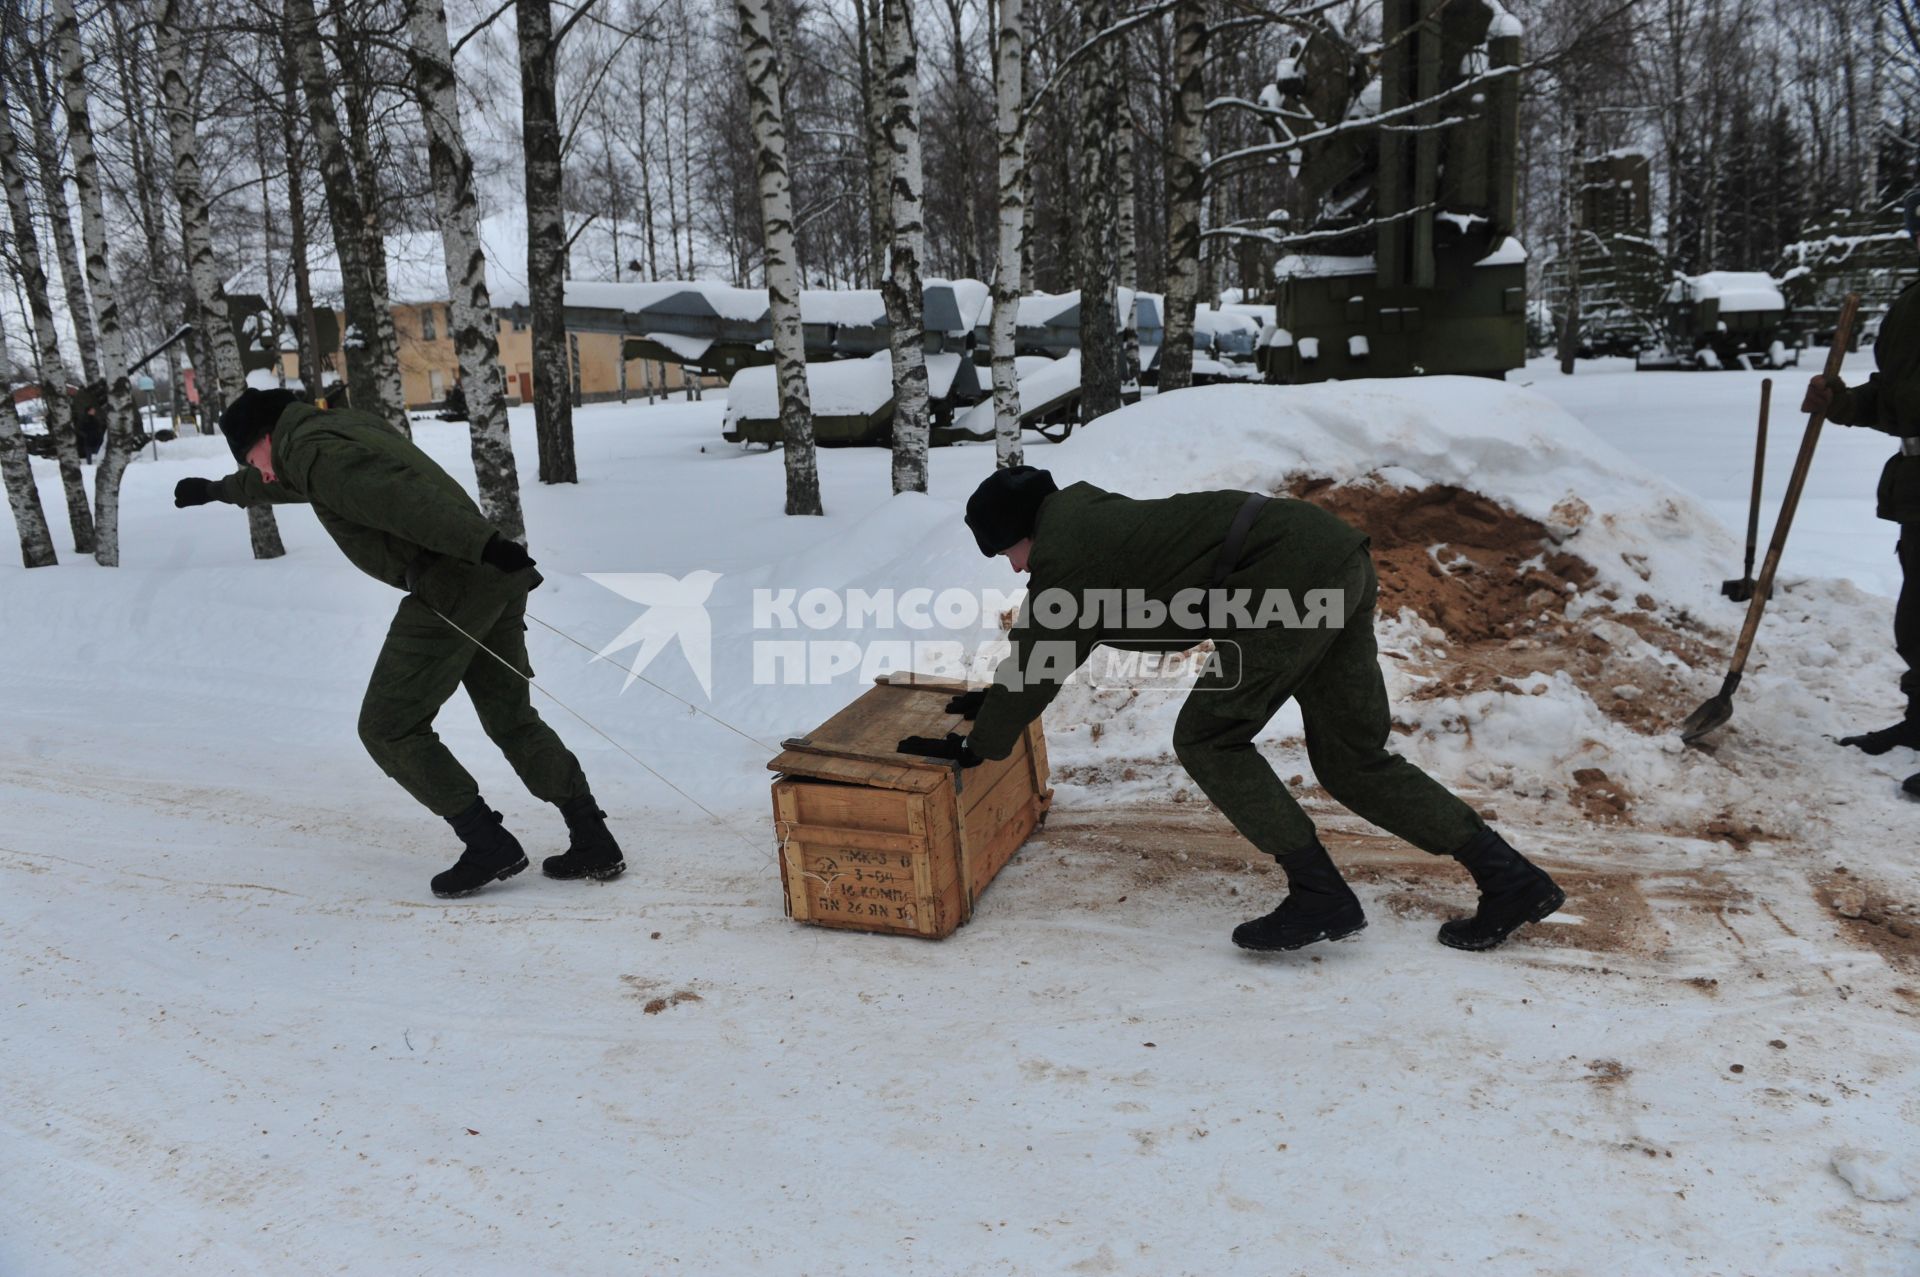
(492, 853)
(1319, 906)
(1903, 734)
(591, 851)
(1513, 892)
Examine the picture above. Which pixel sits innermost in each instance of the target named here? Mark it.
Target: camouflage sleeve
(376, 491)
(244, 487)
(1032, 674)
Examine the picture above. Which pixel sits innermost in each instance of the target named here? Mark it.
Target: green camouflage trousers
(422, 663)
(1335, 675)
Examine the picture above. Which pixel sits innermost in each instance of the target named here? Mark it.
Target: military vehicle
(1401, 260)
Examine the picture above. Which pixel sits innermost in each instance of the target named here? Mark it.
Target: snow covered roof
(1511, 252)
(839, 388)
(1319, 266)
(1738, 292)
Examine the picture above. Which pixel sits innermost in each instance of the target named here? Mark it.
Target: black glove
(952, 747)
(508, 556)
(193, 492)
(967, 704)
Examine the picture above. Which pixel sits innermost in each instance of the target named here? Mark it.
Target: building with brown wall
(428, 363)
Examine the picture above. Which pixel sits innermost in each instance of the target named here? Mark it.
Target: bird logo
(676, 609)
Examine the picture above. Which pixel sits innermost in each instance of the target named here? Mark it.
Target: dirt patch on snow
(1504, 600)
(1136, 855)
(1873, 918)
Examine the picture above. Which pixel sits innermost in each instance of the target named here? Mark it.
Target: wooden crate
(875, 840)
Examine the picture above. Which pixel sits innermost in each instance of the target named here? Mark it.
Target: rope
(633, 673)
(711, 814)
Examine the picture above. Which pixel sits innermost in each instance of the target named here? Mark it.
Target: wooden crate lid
(856, 746)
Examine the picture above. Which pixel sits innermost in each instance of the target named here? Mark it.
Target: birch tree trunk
(1126, 240)
(222, 378)
(53, 194)
(476, 338)
(373, 238)
(306, 324)
(122, 423)
(874, 119)
(1009, 74)
(907, 330)
(1185, 189)
(367, 378)
(546, 243)
(16, 470)
(53, 368)
(763, 75)
(1096, 215)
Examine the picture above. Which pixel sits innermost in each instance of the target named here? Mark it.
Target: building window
(426, 324)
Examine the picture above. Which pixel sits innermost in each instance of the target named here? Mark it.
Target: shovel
(1742, 590)
(1719, 708)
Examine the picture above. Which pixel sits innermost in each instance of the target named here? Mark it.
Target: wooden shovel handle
(1842, 337)
(1759, 474)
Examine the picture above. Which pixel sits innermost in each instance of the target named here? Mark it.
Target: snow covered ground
(242, 1037)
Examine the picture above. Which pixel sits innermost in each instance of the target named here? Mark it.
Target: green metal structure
(1412, 270)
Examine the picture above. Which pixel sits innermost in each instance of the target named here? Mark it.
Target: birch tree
(371, 228)
(368, 357)
(53, 367)
(221, 377)
(122, 424)
(546, 240)
(53, 197)
(1009, 75)
(476, 338)
(1185, 186)
(1096, 215)
(763, 75)
(1126, 239)
(16, 470)
(901, 289)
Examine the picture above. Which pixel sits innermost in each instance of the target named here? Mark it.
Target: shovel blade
(1739, 591)
(1710, 717)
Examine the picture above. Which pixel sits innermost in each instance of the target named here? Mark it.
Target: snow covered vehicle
(1723, 319)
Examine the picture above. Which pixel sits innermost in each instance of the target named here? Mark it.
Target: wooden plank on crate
(911, 682)
(792, 880)
(874, 724)
(1037, 763)
(868, 890)
(1007, 809)
(853, 807)
(921, 776)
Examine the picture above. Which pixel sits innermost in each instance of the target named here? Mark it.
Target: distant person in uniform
(402, 519)
(453, 405)
(1203, 548)
(90, 422)
(1889, 401)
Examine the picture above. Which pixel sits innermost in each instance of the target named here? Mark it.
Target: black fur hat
(1003, 509)
(252, 415)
